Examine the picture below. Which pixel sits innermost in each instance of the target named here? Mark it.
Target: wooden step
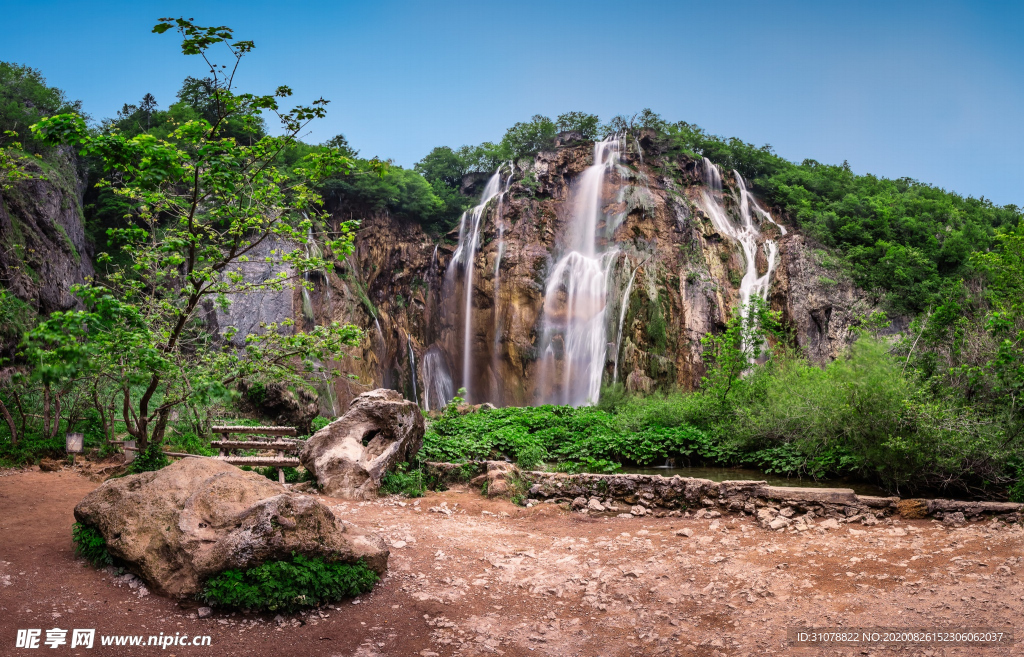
(280, 445)
(261, 461)
(259, 431)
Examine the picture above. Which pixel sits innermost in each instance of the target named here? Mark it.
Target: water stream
(574, 340)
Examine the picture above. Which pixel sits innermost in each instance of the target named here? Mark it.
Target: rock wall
(43, 247)
(686, 284)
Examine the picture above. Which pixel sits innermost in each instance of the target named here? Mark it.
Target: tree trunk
(10, 422)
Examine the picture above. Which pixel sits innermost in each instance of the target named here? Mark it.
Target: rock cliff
(681, 271)
(43, 246)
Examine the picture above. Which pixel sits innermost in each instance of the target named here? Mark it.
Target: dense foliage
(288, 585)
(203, 200)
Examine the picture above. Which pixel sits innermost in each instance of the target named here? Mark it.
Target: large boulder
(349, 456)
(178, 526)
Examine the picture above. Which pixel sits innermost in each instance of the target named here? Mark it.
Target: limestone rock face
(349, 456)
(178, 526)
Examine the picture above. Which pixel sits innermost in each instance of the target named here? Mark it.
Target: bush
(90, 545)
(288, 585)
(152, 458)
(401, 481)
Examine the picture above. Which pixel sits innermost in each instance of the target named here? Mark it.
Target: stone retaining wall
(775, 506)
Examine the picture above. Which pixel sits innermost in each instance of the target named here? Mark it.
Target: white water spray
(622, 319)
(574, 341)
(746, 233)
(465, 254)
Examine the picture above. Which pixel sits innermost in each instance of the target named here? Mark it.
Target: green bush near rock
(90, 545)
(288, 585)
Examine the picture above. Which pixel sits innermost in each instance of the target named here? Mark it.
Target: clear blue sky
(930, 90)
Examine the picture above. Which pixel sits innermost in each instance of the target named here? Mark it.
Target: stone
(955, 518)
(779, 523)
(685, 531)
(204, 612)
(819, 495)
(350, 456)
(787, 512)
(579, 503)
(829, 523)
(638, 510)
(180, 525)
(595, 505)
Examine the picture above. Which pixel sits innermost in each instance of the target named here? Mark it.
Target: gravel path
(474, 576)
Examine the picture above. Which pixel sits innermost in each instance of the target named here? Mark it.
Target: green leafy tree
(202, 201)
(581, 122)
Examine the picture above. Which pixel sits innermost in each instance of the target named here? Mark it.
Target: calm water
(733, 474)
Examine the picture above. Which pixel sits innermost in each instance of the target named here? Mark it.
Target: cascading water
(412, 367)
(437, 380)
(574, 340)
(622, 319)
(465, 256)
(746, 234)
(496, 396)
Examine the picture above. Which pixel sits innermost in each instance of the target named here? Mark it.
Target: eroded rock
(178, 526)
(349, 456)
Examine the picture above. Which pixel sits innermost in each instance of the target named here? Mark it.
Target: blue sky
(930, 90)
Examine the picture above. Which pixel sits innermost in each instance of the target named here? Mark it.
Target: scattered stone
(685, 531)
(638, 510)
(595, 505)
(779, 523)
(205, 612)
(579, 503)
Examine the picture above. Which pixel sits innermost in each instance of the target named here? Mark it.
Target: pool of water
(733, 474)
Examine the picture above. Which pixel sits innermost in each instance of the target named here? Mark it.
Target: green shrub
(402, 481)
(288, 585)
(152, 458)
(90, 545)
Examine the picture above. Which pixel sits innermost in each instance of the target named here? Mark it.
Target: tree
(581, 122)
(524, 139)
(202, 201)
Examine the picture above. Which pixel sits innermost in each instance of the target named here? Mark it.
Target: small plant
(401, 481)
(152, 458)
(288, 585)
(257, 393)
(530, 456)
(90, 545)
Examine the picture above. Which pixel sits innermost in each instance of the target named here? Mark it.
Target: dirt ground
(470, 576)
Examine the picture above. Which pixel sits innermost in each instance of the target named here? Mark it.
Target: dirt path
(483, 577)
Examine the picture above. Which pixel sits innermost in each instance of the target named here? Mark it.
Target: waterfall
(746, 234)
(437, 381)
(496, 396)
(574, 337)
(412, 366)
(465, 255)
(622, 319)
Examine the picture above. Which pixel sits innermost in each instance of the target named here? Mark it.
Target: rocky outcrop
(178, 526)
(685, 284)
(276, 401)
(350, 456)
(44, 248)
